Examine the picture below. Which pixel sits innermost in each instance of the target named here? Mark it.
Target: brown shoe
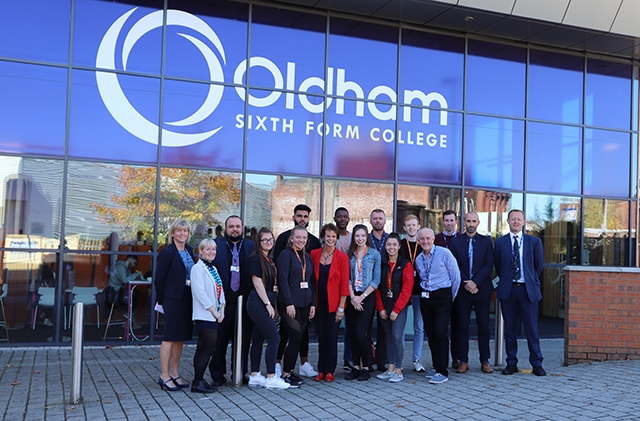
(486, 368)
(464, 367)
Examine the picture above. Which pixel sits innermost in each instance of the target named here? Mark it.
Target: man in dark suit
(519, 260)
(474, 253)
(231, 263)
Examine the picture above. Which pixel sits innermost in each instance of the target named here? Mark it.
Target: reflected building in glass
(157, 110)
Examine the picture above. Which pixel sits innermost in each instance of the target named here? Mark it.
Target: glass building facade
(117, 117)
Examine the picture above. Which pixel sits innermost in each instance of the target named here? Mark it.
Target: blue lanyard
(374, 239)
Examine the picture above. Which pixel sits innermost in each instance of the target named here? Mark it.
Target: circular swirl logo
(115, 99)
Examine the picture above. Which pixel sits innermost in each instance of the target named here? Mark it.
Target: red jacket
(338, 283)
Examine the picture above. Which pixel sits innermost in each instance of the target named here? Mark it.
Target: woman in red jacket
(331, 268)
(392, 297)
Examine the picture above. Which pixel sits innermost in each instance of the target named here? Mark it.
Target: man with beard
(231, 263)
(300, 218)
(377, 219)
(474, 253)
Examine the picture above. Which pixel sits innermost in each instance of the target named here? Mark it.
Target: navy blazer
(533, 260)
(171, 273)
(482, 263)
(222, 263)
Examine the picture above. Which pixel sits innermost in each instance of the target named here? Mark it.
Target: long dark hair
(267, 268)
(353, 245)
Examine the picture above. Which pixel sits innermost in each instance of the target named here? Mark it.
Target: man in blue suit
(231, 262)
(519, 261)
(474, 253)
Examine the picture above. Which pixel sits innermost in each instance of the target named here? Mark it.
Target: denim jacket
(370, 269)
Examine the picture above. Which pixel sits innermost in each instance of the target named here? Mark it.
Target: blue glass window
(363, 58)
(359, 147)
(281, 140)
(608, 94)
(203, 47)
(431, 63)
(35, 30)
(554, 158)
(200, 125)
(118, 36)
(494, 152)
(496, 79)
(32, 108)
(117, 121)
(555, 87)
(430, 153)
(606, 163)
(298, 61)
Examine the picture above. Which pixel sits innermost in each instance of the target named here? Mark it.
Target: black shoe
(168, 384)
(203, 387)
(364, 376)
(539, 371)
(354, 374)
(291, 380)
(180, 385)
(510, 369)
(297, 378)
(219, 382)
(455, 364)
(347, 366)
(382, 368)
(245, 379)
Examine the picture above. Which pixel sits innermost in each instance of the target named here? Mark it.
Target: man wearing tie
(231, 263)
(474, 253)
(519, 260)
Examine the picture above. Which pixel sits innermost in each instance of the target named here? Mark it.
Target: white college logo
(115, 99)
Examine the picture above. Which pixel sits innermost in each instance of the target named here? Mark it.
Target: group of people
(296, 278)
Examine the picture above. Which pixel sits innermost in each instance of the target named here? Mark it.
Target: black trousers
(327, 330)
(359, 325)
(436, 311)
(284, 338)
(218, 364)
(462, 307)
(264, 327)
(381, 343)
(295, 327)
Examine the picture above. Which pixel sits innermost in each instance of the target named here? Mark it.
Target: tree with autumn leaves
(195, 195)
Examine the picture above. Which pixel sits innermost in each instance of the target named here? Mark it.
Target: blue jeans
(418, 328)
(394, 331)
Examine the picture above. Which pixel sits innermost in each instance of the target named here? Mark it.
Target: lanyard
(275, 269)
(231, 248)
(374, 239)
(392, 266)
(303, 263)
(360, 261)
(428, 264)
(412, 254)
(445, 236)
(344, 242)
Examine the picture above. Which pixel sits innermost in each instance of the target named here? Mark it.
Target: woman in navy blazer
(331, 267)
(173, 292)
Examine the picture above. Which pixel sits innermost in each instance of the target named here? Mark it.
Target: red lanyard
(303, 264)
(412, 256)
(359, 261)
(392, 266)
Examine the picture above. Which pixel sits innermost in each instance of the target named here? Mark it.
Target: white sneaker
(257, 381)
(396, 378)
(275, 383)
(278, 370)
(417, 366)
(385, 376)
(307, 370)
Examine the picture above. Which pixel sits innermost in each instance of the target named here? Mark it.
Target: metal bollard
(499, 336)
(237, 348)
(76, 353)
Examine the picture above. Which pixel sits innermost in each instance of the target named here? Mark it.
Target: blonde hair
(179, 223)
(410, 217)
(207, 242)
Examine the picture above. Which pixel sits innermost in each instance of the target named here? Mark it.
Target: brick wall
(602, 318)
